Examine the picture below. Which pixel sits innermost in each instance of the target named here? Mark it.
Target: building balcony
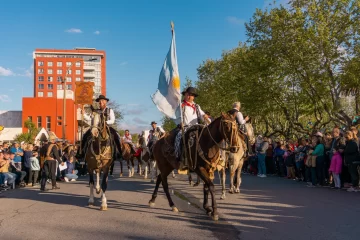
(89, 74)
(89, 68)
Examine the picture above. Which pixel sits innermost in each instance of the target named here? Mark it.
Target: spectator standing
(317, 171)
(18, 152)
(351, 159)
(269, 160)
(34, 168)
(289, 157)
(335, 167)
(27, 163)
(261, 157)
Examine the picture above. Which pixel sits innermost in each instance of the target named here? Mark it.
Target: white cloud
(123, 63)
(4, 98)
(28, 72)
(235, 20)
(5, 72)
(73, 30)
(133, 128)
(97, 32)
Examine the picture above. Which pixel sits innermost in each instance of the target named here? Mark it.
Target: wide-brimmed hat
(101, 97)
(190, 90)
(153, 122)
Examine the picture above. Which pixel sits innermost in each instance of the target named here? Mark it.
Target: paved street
(270, 208)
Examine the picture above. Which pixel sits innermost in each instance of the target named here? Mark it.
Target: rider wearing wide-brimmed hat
(192, 115)
(155, 133)
(109, 119)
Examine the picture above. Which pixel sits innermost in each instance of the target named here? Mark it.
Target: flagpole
(181, 113)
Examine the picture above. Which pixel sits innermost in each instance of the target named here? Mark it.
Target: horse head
(98, 126)
(229, 131)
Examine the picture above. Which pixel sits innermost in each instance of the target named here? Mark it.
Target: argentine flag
(167, 97)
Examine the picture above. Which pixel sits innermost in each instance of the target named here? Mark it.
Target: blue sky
(135, 35)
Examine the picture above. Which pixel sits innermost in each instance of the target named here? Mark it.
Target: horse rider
(192, 115)
(241, 121)
(109, 116)
(51, 157)
(127, 138)
(154, 134)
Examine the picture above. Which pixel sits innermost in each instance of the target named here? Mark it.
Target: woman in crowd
(351, 159)
(317, 171)
(335, 167)
(27, 162)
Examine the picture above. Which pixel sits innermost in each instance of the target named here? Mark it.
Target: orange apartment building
(51, 66)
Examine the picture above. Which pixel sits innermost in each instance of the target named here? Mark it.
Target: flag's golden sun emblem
(176, 82)
(1, 128)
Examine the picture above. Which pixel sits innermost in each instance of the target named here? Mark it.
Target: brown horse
(99, 156)
(203, 155)
(128, 157)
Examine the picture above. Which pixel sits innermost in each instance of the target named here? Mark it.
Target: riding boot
(84, 142)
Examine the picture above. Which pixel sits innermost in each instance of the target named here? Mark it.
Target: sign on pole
(84, 93)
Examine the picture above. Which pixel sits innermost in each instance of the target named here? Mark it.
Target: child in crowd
(289, 162)
(335, 167)
(35, 168)
(70, 172)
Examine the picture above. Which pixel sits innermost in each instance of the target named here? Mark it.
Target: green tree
(168, 124)
(29, 136)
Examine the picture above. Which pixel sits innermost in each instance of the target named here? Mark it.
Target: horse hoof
(151, 204)
(103, 208)
(152, 181)
(231, 191)
(223, 197)
(121, 174)
(209, 213)
(90, 203)
(175, 209)
(98, 191)
(237, 191)
(215, 217)
(196, 184)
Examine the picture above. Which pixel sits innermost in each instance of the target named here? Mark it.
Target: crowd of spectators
(328, 159)
(21, 164)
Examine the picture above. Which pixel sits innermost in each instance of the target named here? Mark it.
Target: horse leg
(140, 167)
(121, 168)
(91, 183)
(129, 168)
(152, 200)
(146, 170)
(153, 171)
(238, 176)
(208, 186)
(173, 174)
(206, 193)
(164, 176)
(133, 167)
(222, 180)
(98, 190)
(190, 178)
(232, 171)
(104, 182)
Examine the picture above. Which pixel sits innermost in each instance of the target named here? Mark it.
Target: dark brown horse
(128, 157)
(99, 156)
(203, 155)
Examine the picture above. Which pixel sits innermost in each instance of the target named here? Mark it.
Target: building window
(59, 71)
(59, 120)
(50, 86)
(50, 64)
(41, 78)
(78, 79)
(41, 86)
(50, 79)
(50, 94)
(48, 123)
(68, 79)
(59, 64)
(40, 63)
(40, 94)
(59, 79)
(40, 71)
(68, 71)
(78, 64)
(50, 71)
(68, 87)
(68, 64)
(59, 87)
(78, 72)
(39, 121)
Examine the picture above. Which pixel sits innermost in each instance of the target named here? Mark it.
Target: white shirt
(127, 139)
(240, 118)
(111, 117)
(152, 132)
(190, 116)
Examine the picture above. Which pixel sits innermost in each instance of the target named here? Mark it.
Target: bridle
(222, 130)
